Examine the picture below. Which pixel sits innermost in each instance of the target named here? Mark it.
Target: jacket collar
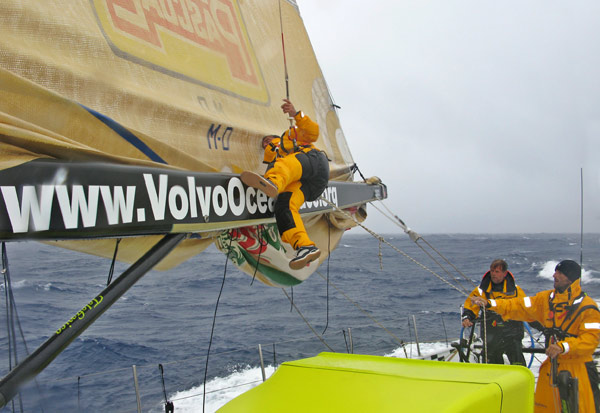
(508, 285)
(571, 294)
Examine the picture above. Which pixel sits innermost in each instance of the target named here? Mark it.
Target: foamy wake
(221, 390)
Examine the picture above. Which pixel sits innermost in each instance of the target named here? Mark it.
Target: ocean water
(167, 317)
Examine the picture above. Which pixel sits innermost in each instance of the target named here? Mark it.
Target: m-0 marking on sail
(223, 138)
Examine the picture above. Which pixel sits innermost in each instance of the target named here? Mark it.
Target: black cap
(570, 268)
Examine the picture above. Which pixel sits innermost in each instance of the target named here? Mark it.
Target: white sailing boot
(259, 182)
(304, 256)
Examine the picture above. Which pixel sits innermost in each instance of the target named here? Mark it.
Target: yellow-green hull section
(332, 382)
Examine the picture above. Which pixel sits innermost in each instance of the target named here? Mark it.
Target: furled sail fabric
(182, 85)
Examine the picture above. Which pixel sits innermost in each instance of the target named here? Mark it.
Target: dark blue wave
(167, 317)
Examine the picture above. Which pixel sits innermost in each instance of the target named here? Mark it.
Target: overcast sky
(478, 115)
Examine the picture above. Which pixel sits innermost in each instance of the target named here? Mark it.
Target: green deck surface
(332, 382)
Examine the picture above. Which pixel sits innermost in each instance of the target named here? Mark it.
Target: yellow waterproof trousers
(547, 398)
(286, 174)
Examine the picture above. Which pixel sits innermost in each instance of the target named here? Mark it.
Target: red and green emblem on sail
(259, 252)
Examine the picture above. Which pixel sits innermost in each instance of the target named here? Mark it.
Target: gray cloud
(478, 115)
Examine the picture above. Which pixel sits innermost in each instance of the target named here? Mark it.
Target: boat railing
(140, 385)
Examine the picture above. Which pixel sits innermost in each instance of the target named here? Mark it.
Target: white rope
(415, 237)
(485, 339)
(383, 240)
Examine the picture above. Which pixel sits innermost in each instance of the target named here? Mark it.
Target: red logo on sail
(200, 40)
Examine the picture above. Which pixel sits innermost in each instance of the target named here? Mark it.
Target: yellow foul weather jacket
(300, 173)
(576, 319)
(305, 132)
(509, 290)
(501, 336)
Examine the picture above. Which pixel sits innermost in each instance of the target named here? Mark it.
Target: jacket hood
(508, 285)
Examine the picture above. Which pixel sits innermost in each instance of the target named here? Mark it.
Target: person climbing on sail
(572, 329)
(297, 172)
(501, 337)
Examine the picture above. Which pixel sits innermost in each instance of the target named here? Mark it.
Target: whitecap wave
(547, 272)
(16, 285)
(588, 277)
(219, 391)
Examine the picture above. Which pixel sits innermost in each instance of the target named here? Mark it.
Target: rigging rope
(12, 317)
(259, 229)
(212, 330)
(328, 259)
(354, 168)
(416, 238)
(401, 342)
(485, 350)
(307, 322)
(380, 255)
(444, 325)
(383, 240)
(111, 271)
(287, 80)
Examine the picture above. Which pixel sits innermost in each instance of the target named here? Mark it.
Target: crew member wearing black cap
(501, 336)
(572, 328)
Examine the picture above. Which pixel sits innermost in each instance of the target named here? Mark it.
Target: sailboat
(124, 127)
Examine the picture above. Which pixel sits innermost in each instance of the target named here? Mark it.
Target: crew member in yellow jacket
(501, 336)
(297, 172)
(572, 329)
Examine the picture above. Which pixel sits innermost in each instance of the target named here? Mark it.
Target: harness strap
(293, 139)
(570, 310)
(573, 312)
(581, 310)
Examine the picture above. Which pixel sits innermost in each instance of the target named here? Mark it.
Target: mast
(581, 231)
(43, 355)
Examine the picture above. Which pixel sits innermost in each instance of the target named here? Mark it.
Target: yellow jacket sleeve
(308, 131)
(472, 310)
(521, 308)
(271, 151)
